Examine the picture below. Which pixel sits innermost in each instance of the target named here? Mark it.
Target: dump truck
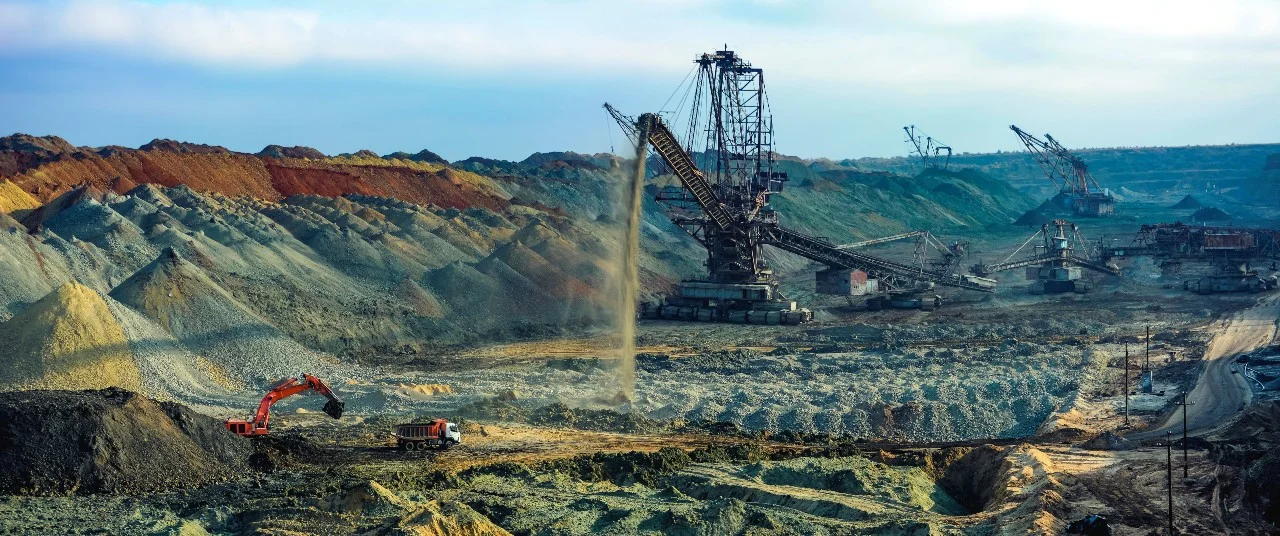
(437, 434)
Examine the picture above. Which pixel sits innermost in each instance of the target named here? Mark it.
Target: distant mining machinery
(1054, 266)
(931, 151)
(722, 200)
(1078, 192)
(1238, 259)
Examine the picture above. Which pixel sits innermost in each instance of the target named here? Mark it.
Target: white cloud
(1084, 49)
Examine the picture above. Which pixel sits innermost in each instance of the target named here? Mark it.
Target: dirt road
(1218, 393)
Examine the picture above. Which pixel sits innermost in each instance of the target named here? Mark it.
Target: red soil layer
(236, 174)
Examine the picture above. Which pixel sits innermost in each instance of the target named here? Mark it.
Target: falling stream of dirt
(626, 313)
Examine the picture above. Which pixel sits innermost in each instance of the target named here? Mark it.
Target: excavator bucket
(334, 408)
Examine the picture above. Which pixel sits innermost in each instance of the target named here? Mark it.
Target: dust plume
(626, 313)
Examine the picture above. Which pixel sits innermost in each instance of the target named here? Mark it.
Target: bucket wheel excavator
(722, 200)
(1054, 267)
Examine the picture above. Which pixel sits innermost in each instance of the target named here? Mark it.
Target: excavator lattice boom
(1078, 191)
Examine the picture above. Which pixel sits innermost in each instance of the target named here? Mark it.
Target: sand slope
(67, 340)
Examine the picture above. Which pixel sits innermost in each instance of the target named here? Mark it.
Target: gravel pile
(168, 370)
(209, 321)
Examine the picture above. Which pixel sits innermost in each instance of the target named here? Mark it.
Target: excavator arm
(333, 407)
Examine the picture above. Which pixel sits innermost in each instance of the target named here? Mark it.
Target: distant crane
(930, 150)
(1078, 191)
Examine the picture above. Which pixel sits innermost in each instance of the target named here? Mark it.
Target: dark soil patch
(110, 440)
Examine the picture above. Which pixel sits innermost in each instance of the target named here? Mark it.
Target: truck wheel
(408, 446)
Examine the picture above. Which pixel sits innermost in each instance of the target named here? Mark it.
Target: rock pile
(1188, 202)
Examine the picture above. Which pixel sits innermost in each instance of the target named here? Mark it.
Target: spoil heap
(67, 340)
(111, 440)
(208, 320)
(1210, 214)
(1189, 202)
(1032, 217)
(15, 201)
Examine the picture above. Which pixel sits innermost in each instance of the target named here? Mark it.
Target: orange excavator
(258, 426)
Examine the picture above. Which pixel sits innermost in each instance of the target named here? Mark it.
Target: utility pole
(1147, 381)
(1126, 384)
(1184, 405)
(1147, 364)
(1168, 444)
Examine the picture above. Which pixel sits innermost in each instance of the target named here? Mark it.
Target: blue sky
(503, 79)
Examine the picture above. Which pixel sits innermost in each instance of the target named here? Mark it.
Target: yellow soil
(424, 390)
(67, 340)
(15, 201)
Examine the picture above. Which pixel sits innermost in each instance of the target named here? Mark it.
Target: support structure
(1148, 382)
(1168, 445)
(1126, 384)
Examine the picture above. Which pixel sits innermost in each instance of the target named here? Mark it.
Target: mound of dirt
(1260, 491)
(67, 340)
(297, 151)
(603, 420)
(26, 143)
(1258, 424)
(1032, 217)
(423, 390)
(110, 440)
(1189, 202)
(206, 318)
(1210, 214)
(420, 156)
(15, 201)
(281, 451)
(402, 516)
(1108, 441)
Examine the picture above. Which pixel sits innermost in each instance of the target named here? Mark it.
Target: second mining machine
(1078, 191)
(721, 198)
(1239, 259)
(1054, 266)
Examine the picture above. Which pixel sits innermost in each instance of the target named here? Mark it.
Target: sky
(503, 79)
